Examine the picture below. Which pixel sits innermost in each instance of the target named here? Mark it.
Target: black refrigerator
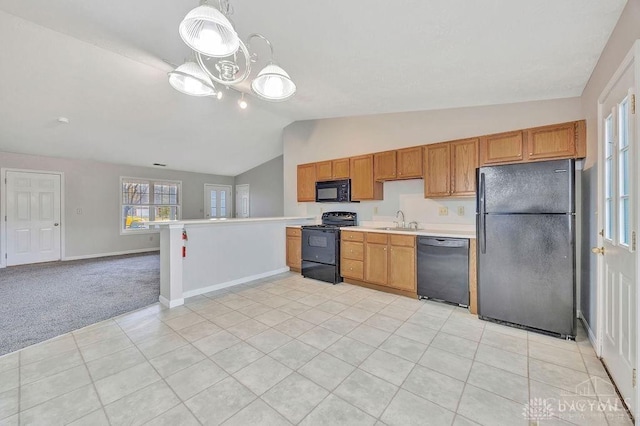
(525, 220)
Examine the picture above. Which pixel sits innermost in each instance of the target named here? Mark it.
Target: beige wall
(265, 188)
(626, 32)
(315, 140)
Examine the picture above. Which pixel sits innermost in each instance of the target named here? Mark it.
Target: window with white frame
(146, 200)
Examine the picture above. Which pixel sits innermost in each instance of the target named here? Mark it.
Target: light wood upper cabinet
(464, 161)
(340, 168)
(502, 148)
(448, 168)
(324, 170)
(409, 163)
(363, 185)
(307, 182)
(437, 170)
(384, 165)
(332, 170)
(557, 141)
(400, 164)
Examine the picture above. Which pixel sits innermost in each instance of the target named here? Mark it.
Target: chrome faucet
(401, 224)
(411, 225)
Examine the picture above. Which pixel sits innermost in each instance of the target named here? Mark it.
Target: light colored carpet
(38, 302)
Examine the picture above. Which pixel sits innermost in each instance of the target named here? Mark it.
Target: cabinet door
(324, 171)
(464, 161)
(501, 148)
(410, 163)
(352, 250)
(384, 165)
(437, 170)
(341, 168)
(363, 186)
(351, 269)
(557, 141)
(402, 268)
(307, 182)
(375, 263)
(294, 252)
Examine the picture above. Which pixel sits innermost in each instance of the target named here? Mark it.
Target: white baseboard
(592, 337)
(170, 303)
(242, 280)
(116, 253)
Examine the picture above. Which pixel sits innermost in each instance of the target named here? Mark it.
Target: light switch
(460, 210)
(375, 210)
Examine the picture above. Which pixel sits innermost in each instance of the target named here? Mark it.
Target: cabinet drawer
(294, 232)
(376, 238)
(402, 240)
(352, 250)
(351, 236)
(352, 269)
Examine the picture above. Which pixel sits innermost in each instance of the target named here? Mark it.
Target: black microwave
(333, 191)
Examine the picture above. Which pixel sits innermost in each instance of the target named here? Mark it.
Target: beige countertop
(443, 232)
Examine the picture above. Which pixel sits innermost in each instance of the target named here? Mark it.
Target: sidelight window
(623, 173)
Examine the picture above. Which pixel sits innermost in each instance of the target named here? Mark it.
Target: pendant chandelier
(222, 57)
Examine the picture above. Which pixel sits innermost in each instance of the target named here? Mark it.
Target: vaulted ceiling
(103, 65)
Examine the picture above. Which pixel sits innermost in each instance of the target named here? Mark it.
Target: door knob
(55, 224)
(597, 250)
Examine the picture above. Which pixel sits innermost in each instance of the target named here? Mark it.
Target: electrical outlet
(460, 210)
(375, 210)
(444, 211)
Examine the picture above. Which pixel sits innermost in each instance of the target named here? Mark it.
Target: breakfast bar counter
(203, 255)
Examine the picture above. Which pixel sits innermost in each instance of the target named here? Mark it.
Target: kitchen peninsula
(203, 255)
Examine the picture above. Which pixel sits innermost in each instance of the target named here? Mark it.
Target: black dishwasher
(443, 269)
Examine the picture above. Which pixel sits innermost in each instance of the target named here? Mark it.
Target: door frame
(3, 210)
(231, 195)
(633, 56)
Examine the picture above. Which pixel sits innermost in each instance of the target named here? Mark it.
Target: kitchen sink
(393, 228)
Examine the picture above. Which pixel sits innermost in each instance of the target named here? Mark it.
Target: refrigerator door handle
(482, 211)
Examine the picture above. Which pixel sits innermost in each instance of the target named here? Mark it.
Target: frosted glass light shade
(189, 79)
(206, 30)
(273, 83)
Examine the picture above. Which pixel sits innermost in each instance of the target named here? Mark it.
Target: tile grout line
(93, 384)
(148, 361)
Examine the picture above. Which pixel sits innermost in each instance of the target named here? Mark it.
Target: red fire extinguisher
(184, 241)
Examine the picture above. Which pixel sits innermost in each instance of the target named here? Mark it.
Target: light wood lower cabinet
(383, 261)
(294, 249)
(402, 262)
(375, 262)
(352, 255)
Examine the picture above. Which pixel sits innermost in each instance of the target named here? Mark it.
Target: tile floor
(289, 350)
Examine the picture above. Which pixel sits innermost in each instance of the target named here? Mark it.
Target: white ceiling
(100, 63)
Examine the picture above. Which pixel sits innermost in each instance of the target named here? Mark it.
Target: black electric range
(321, 246)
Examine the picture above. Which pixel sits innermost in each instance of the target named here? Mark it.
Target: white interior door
(33, 217)
(217, 201)
(617, 202)
(242, 200)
